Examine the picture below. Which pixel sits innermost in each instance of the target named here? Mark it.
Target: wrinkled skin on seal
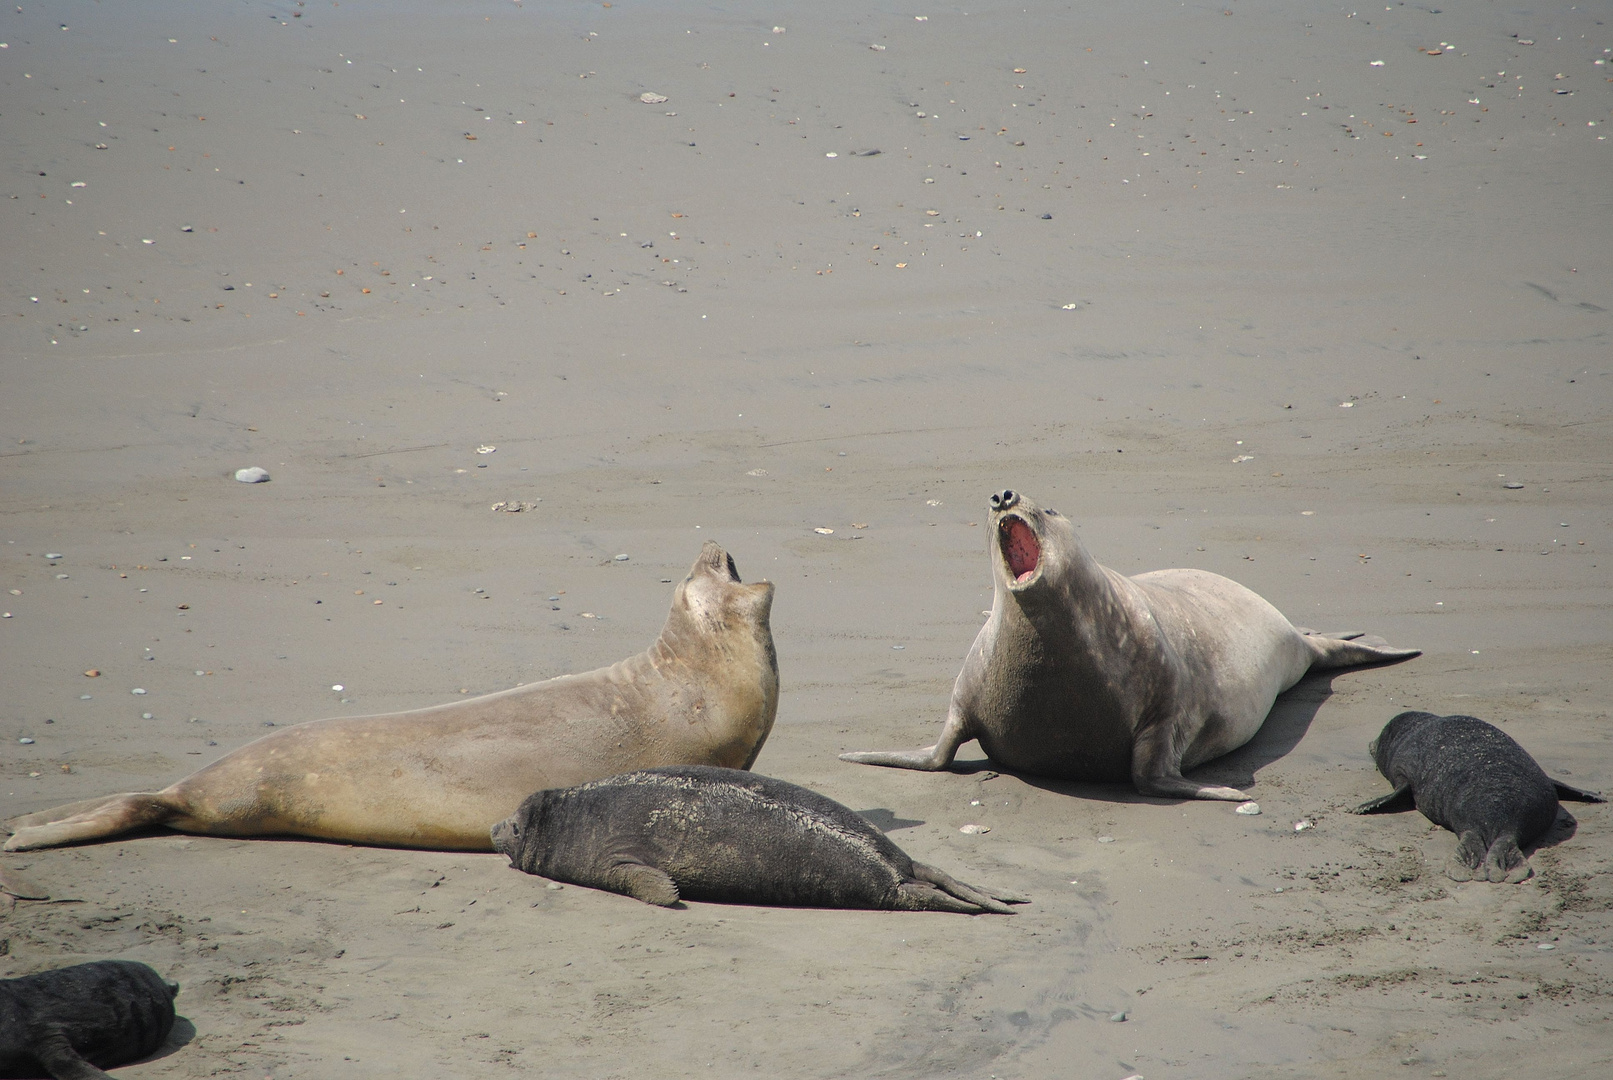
(1473, 779)
(706, 693)
(702, 833)
(1085, 674)
(68, 1022)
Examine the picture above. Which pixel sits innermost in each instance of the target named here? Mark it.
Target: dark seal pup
(65, 1023)
(1085, 674)
(706, 833)
(704, 693)
(1473, 779)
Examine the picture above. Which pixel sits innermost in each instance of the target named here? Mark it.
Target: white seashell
(972, 829)
(650, 98)
(252, 475)
(1250, 808)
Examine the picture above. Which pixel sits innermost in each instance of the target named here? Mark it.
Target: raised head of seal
(1475, 780)
(702, 833)
(76, 1021)
(705, 692)
(1083, 673)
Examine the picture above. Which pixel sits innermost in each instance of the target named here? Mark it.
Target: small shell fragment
(1302, 825)
(650, 98)
(972, 829)
(484, 449)
(821, 531)
(252, 475)
(1249, 808)
(1106, 839)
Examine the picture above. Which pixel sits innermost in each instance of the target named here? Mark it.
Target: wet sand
(1205, 278)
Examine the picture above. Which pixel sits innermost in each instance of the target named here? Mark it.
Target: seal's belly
(1058, 731)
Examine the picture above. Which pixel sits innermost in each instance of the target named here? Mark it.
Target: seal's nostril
(1005, 501)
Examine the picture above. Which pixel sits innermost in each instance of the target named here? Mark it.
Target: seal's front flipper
(92, 819)
(930, 759)
(1399, 799)
(1574, 794)
(57, 1055)
(1179, 787)
(642, 882)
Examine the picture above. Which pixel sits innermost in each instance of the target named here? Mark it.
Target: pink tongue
(1020, 549)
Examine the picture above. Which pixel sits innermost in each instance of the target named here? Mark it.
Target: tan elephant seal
(1086, 674)
(705, 693)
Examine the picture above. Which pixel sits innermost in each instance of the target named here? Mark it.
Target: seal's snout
(506, 835)
(1021, 550)
(1007, 500)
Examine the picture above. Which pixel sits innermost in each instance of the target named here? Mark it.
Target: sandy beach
(1316, 297)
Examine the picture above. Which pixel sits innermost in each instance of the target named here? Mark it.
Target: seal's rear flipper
(1505, 863)
(59, 1058)
(1467, 862)
(1351, 648)
(92, 819)
(980, 899)
(1393, 803)
(1574, 794)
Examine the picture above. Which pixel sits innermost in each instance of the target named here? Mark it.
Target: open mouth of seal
(1020, 548)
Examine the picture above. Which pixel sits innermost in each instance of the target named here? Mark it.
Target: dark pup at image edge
(1473, 779)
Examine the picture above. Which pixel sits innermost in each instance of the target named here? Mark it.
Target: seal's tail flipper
(1467, 862)
(1351, 648)
(1399, 799)
(1574, 794)
(996, 901)
(1505, 862)
(92, 819)
(931, 890)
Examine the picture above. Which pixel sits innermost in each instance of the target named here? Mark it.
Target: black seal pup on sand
(1472, 778)
(706, 833)
(65, 1023)
(1085, 674)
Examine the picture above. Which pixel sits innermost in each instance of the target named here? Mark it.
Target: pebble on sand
(972, 829)
(651, 98)
(252, 475)
(26, 741)
(1250, 808)
(137, 691)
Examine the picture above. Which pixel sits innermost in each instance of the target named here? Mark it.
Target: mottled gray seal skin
(68, 1022)
(704, 833)
(705, 692)
(1082, 673)
(1473, 779)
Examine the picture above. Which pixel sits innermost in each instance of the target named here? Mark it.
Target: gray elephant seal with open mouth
(1475, 780)
(701, 833)
(705, 693)
(69, 1022)
(1082, 673)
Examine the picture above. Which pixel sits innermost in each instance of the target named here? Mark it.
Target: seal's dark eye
(1053, 513)
(733, 571)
